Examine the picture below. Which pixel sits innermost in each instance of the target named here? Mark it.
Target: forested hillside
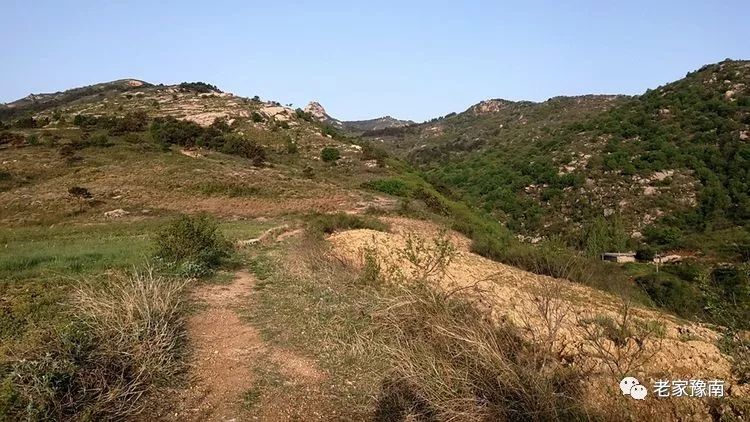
(662, 173)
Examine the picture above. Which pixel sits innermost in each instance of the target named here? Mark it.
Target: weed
(623, 344)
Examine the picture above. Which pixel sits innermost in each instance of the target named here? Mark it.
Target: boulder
(118, 213)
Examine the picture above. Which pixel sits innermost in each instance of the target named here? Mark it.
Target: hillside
(579, 157)
(182, 253)
(665, 172)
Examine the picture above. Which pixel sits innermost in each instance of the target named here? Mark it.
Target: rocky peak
(317, 111)
(491, 106)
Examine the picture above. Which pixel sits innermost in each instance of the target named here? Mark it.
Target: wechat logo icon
(633, 388)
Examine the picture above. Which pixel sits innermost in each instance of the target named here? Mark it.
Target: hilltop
(354, 126)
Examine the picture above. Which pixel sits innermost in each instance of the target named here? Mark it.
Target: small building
(618, 257)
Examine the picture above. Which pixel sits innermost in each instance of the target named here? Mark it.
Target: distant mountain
(319, 113)
(670, 168)
(39, 102)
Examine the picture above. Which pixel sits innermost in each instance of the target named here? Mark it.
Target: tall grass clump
(125, 342)
(192, 245)
(450, 362)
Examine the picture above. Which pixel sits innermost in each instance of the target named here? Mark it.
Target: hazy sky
(414, 60)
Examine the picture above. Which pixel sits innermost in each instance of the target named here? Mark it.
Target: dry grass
(450, 362)
(623, 344)
(126, 341)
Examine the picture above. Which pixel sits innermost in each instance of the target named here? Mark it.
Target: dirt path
(223, 345)
(227, 354)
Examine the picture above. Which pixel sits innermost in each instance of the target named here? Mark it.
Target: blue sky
(414, 60)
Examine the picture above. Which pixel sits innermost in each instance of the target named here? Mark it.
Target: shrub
(395, 187)
(257, 117)
(169, 130)
(7, 137)
(98, 140)
(238, 145)
(126, 341)
(79, 192)
(195, 240)
(133, 138)
(291, 147)
(132, 122)
(32, 139)
(329, 223)
(27, 122)
(330, 154)
(645, 253)
(199, 87)
(664, 236)
(623, 344)
(83, 121)
(371, 152)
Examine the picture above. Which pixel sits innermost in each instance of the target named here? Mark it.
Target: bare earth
(226, 353)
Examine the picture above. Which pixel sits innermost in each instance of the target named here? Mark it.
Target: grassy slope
(51, 241)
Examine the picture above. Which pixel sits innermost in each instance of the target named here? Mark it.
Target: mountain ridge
(317, 111)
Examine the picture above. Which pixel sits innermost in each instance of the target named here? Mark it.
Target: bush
(395, 187)
(27, 122)
(79, 192)
(84, 121)
(196, 241)
(169, 130)
(199, 87)
(291, 147)
(238, 145)
(371, 152)
(330, 154)
(330, 223)
(7, 137)
(257, 117)
(132, 122)
(98, 140)
(126, 341)
(32, 139)
(645, 253)
(663, 236)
